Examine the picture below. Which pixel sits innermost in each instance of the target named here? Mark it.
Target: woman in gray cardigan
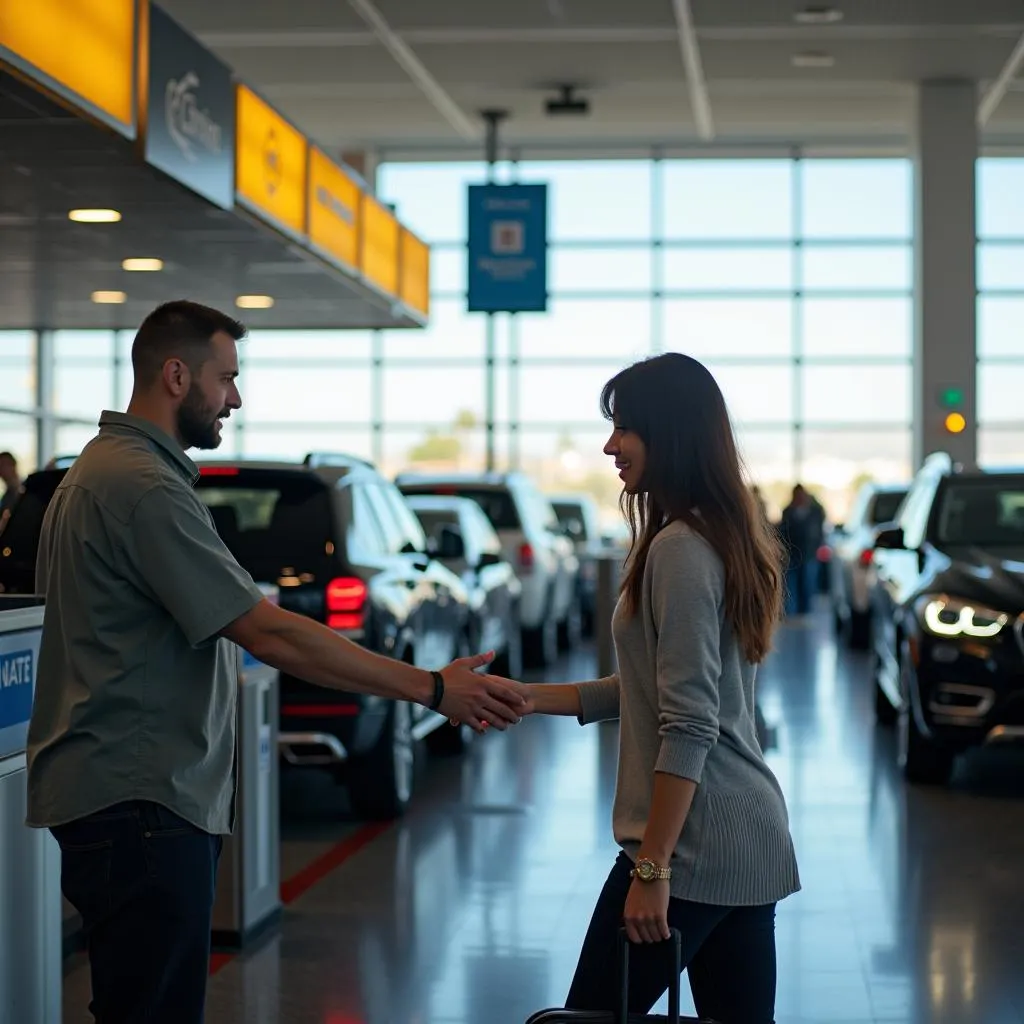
(699, 816)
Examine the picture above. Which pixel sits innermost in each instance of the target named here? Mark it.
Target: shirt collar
(122, 422)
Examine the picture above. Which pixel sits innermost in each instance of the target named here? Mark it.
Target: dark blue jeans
(728, 954)
(143, 881)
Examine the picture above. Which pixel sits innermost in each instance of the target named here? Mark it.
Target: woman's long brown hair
(693, 473)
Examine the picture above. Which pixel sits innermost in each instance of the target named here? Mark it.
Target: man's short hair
(8, 456)
(178, 330)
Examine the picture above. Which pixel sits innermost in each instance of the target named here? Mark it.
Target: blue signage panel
(191, 129)
(17, 682)
(508, 248)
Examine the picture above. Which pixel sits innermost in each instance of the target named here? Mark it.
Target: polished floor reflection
(471, 911)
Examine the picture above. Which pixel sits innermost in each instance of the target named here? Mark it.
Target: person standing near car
(131, 744)
(803, 532)
(700, 818)
(11, 481)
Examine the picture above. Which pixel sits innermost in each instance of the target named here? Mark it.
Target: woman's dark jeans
(728, 953)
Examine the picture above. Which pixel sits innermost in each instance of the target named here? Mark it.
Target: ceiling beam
(414, 68)
(997, 90)
(696, 83)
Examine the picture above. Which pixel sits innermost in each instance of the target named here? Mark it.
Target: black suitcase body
(622, 1014)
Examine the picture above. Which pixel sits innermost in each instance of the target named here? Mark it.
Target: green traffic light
(952, 397)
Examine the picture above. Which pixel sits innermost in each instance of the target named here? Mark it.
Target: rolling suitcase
(622, 1014)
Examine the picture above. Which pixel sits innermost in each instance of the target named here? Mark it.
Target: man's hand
(646, 912)
(479, 700)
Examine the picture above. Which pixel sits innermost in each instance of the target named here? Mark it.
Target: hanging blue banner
(508, 249)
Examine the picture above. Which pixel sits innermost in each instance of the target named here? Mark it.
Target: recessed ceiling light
(254, 302)
(813, 60)
(109, 298)
(818, 15)
(94, 216)
(142, 263)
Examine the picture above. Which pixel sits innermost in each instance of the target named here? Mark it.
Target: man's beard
(197, 424)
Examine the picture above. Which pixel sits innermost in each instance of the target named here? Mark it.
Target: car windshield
(886, 506)
(498, 505)
(269, 519)
(983, 513)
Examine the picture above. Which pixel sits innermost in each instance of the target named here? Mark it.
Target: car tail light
(866, 557)
(526, 556)
(824, 553)
(218, 471)
(346, 603)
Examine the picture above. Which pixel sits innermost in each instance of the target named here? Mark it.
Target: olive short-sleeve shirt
(135, 693)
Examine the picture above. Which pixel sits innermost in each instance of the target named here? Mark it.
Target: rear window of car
(270, 520)
(571, 517)
(498, 505)
(886, 506)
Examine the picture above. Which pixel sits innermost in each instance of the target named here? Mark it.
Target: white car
(851, 559)
(533, 542)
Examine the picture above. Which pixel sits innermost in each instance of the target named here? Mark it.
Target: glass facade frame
(791, 278)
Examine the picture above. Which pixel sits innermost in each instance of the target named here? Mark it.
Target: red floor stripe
(294, 887)
(317, 871)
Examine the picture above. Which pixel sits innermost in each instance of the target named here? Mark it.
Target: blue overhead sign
(508, 248)
(191, 130)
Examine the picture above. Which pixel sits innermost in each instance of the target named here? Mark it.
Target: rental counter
(30, 900)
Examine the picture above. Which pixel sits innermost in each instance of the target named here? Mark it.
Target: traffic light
(952, 400)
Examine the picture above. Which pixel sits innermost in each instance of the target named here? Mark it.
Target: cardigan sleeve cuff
(599, 700)
(682, 756)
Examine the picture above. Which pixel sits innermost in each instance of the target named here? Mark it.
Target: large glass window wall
(790, 278)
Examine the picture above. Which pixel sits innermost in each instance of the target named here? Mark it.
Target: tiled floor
(471, 911)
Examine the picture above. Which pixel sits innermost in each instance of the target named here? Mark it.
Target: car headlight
(952, 617)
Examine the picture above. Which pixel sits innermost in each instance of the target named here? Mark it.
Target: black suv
(341, 546)
(948, 617)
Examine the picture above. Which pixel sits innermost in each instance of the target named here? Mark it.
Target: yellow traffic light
(955, 423)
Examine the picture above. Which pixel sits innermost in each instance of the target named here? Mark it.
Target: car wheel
(509, 663)
(570, 632)
(381, 782)
(540, 645)
(885, 713)
(920, 759)
(859, 636)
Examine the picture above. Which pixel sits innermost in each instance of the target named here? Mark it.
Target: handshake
(483, 700)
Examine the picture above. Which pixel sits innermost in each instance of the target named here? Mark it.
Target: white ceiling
(324, 64)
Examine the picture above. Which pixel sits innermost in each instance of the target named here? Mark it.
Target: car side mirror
(890, 539)
(489, 558)
(450, 545)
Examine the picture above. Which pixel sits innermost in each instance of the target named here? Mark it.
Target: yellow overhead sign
(379, 256)
(415, 286)
(334, 201)
(270, 163)
(82, 49)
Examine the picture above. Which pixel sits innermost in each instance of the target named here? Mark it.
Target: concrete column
(46, 434)
(944, 253)
(364, 162)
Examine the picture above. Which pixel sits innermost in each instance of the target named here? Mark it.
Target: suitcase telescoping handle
(673, 988)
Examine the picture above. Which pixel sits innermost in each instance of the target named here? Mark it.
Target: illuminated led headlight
(951, 617)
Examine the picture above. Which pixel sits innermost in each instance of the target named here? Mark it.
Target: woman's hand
(646, 913)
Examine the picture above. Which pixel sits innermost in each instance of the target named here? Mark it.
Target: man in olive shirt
(132, 739)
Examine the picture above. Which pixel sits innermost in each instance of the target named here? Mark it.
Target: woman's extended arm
(560, 699)
(594, 701)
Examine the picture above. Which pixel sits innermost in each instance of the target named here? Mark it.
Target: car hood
(995, 579)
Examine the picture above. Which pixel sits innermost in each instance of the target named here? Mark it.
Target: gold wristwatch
(647, 871)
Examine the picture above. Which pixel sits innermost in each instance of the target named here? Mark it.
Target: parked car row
(944, 593)
(449, 567)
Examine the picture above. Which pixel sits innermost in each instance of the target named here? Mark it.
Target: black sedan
(948, 617)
